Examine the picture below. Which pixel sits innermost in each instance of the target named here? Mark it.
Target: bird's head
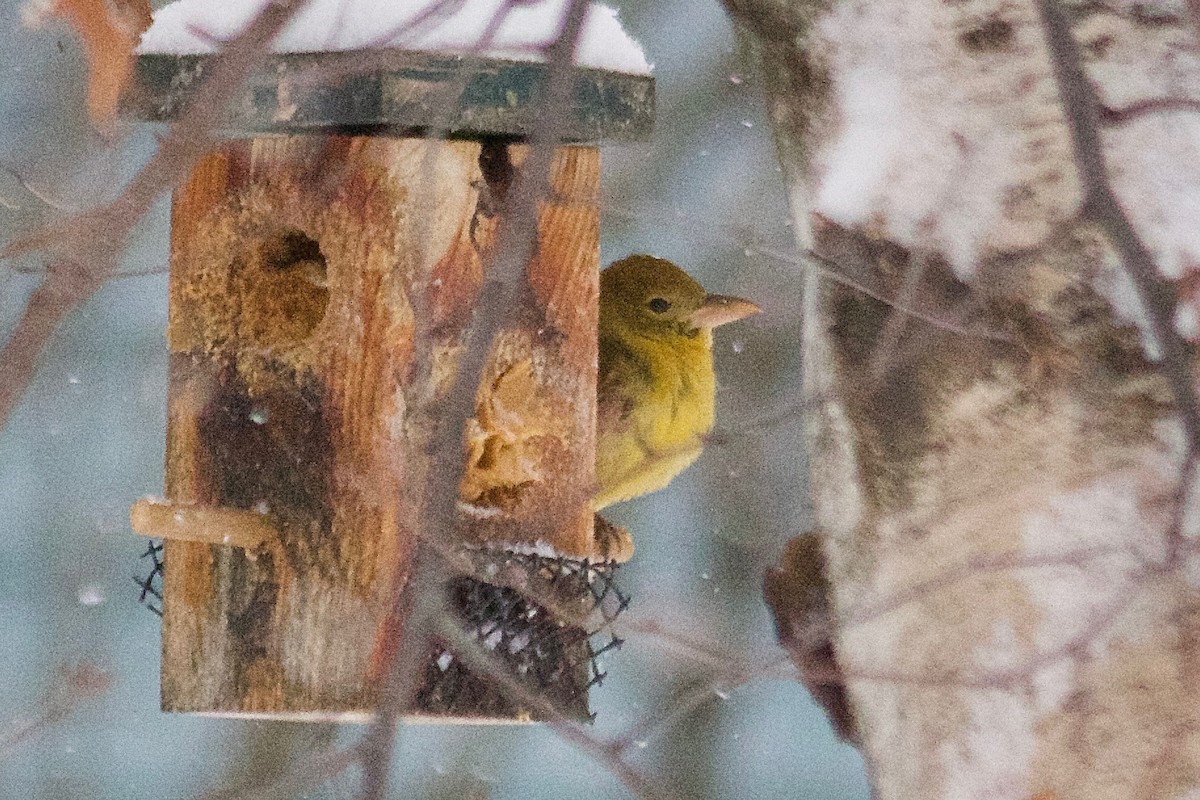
(657, 299)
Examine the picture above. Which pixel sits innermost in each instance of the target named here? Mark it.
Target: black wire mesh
(151, 585)
(547, 619)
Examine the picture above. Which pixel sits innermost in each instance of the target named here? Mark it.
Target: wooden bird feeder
(300, 255)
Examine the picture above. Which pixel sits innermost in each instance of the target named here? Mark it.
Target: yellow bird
(656, 388)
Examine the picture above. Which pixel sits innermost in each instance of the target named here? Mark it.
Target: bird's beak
(719, 309)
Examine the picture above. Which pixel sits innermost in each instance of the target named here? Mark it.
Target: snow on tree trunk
(1001, 203)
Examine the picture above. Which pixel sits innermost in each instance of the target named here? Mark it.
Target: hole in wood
(513, 423)
(285, 290)
(498, 171)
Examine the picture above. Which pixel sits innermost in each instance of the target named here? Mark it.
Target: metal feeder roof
(397, 93)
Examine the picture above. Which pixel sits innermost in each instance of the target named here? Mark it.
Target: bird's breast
(678, 409)
(656, 405)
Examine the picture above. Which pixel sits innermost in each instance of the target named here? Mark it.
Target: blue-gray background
(87, 440)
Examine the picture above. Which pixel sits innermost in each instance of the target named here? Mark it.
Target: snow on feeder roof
(404, 68)
(192, 27)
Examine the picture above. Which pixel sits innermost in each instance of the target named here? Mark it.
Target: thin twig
(1141, 108)
(687, 702)
(66, 287)
(46, 199)
(302, 776)
(480, 660)
(1176, 539)
(980, 565)
(692, 649)
(501, 292)
(726, 434)
(895, 325)
(1008, 678)
(141, 272)
(429, 16)
(84, 249)
(1081, 106)
(71, 687)
(829, 268)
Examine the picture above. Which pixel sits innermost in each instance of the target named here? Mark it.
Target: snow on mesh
(199, 26)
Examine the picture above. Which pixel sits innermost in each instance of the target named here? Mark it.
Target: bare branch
(835, 272)
(882, 359)
(1081, 105)
(41, 195)
(1008, 679)
(304, 775)
(972, 568)
(84, 249)
(731, 673)
(71, 687)
(504, 280)
(483, 661)
(1156, 105)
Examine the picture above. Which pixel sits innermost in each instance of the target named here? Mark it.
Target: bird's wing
(623, 374)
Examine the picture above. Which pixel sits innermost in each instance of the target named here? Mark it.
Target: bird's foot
(613, 543)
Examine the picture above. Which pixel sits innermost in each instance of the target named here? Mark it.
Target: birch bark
(1001, 203)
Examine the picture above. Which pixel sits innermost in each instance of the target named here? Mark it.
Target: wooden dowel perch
(161, 519)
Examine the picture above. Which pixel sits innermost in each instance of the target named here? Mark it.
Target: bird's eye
(660, 305)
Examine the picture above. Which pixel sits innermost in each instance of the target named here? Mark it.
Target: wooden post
(298, 266)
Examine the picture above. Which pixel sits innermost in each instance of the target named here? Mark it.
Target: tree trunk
(998, 204)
